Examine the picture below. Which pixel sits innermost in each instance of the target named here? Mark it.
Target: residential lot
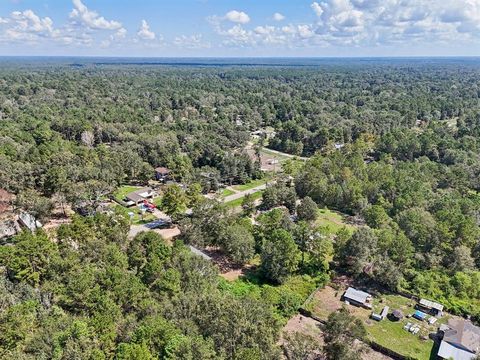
(387, 333)
(309, 326)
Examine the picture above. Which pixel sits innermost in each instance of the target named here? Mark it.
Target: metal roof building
(358, 296)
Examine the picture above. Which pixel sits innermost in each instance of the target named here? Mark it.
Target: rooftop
(357, 295)
(162, 170)
(463, 333)
(431, 304)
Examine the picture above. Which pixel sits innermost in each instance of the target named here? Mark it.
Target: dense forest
(393, 145)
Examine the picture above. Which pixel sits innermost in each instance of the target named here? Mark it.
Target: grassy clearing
(332, 220)
(227, 192)
(123, 191)
(389, 334)
(251, 184)
(392, 335)
(238, 202)
(274, 155)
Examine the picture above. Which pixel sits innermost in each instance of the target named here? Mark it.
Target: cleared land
(389, 334)
(308, 326)
(334, 221)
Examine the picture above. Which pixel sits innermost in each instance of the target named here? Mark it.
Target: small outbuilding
(430, 307)
(420, 315)
(397, 314)
(162, 173)
(358, 298)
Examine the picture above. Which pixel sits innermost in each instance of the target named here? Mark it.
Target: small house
(358, 298)
(139, 196)
(461, 340)
(162, 173)
(430, 307)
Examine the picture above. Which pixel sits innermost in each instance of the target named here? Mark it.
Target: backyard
(123, 191)
(387, 333)
(334, 221)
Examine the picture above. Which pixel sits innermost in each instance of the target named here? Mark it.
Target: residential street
(241, 194)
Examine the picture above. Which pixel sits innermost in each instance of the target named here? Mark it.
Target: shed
(397, 314)
(384, 312)
(162, 173)
(419, 315)
(376, 317)
(431, 306)
(357, 297)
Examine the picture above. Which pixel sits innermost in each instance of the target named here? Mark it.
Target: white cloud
(317, 9)
(28, 26)
(29, 21)
(237, 17)
(3, 21)
(91, 19)
(144, 32)
(191, 42)
(120, 34)
(278, 17)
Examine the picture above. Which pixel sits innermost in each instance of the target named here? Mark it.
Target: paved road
(152, 226)
(241, 194)
(268, 150)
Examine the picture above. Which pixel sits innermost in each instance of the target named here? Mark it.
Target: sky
(240, 28)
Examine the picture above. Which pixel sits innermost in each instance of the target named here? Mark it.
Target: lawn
(333, 220)
(389, 334)
(227, 192)
(274, 155)
(238, 202)
(251, 184)
(123, 191)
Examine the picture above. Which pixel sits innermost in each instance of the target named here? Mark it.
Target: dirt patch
(268, 162)
(232, 275)
(326, 301)
(306, 325)
(168, 234)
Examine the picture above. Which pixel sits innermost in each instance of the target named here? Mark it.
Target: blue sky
(240, 28)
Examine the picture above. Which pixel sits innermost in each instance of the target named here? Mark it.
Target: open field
(387, 333)
(333, 220)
